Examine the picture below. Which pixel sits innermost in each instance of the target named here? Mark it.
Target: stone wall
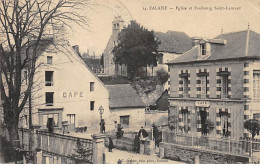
(189, 154)
(123, 143)
(127, 143)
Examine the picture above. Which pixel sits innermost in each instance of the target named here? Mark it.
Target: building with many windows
(66, 91)
(215, 86)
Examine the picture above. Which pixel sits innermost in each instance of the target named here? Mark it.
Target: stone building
(65, 89)
(172, 45)
(126, 106)
(215, 86)
(110, 67)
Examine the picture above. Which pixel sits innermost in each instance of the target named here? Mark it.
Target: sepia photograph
(129, 82)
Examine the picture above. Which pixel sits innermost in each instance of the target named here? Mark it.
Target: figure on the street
(137, 144)
(142, 134)
(119, 132)
(156, 135)
(102, 126)
(110, 144)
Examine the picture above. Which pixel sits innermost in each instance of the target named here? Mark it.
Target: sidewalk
(133, 158)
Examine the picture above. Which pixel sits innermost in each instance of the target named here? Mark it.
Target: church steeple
(118, 24)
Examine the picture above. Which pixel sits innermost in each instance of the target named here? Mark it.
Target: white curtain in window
(71, 118)
(203, 84)
(224, 83)
(56, 118)
(224, 123)
(185, 121)
(256, 83)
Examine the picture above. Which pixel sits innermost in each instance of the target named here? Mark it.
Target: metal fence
(66, 146)
(74, 148)
(24, 136)
(225, 145)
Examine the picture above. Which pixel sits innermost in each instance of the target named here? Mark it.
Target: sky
(195, 17)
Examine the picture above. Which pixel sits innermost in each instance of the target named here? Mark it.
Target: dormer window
(203, 49)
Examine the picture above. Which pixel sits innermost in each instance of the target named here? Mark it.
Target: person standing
(102, 126)
(156, 135)
(137, 144)
(119, 132)
(110, 145)
(142, 134)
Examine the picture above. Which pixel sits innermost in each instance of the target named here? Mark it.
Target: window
(185, 120)
(185, 86)
(203, 49)
(224, 123)
(55, 118)
(224, 86)
(203, 117)
(124, 121)
(49, 59)
(48, 78)
(71, 118)
(26, 77)
(203, 85)
(92, 86)
(49, 98)
(256, 83)
(92, 105)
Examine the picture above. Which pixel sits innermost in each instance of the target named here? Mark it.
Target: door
(203, 117)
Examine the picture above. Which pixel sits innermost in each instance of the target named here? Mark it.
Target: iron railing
(225, 145)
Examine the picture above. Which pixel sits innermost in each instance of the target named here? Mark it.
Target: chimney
(76, 48)
(195, 41)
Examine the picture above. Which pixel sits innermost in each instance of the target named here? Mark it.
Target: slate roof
(173, 42)
(234, 48)
(124, 96)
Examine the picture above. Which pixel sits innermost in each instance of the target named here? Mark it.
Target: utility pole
(30, 110)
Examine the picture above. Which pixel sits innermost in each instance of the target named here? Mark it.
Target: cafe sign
(202, 103)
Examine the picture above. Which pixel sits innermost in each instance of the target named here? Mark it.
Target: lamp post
(101, 111)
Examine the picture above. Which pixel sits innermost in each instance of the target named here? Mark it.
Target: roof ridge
(118, 84)
(183, 54)
(233, 32)
(81, 60)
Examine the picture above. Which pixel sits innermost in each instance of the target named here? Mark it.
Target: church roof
(173, 42)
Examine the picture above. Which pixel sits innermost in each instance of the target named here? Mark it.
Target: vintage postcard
(129, 82)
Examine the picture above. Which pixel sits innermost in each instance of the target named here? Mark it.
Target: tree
(253, 126)
(137, 47)
(26, 25)
(162, 75)
(81, 153)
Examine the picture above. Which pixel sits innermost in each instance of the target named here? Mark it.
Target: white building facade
(65, 89)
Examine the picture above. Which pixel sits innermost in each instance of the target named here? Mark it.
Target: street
(132, 158)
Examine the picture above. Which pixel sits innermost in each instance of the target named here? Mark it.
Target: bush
(253, 126)
(162, 75)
